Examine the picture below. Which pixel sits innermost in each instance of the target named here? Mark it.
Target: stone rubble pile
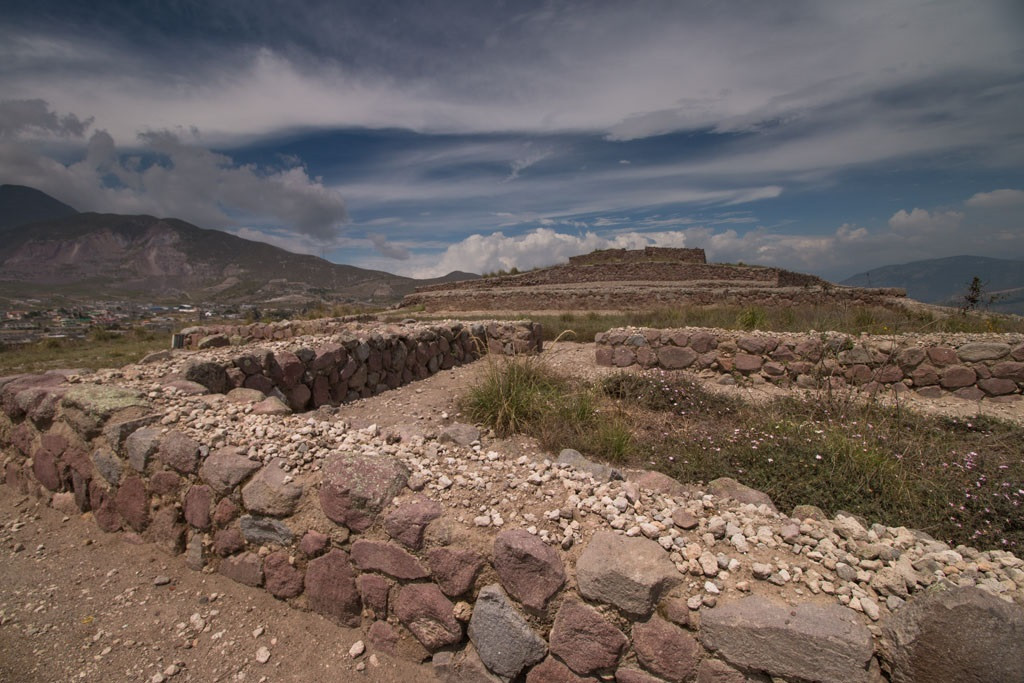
(498, 563)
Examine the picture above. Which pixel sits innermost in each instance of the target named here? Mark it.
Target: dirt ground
(77, 604)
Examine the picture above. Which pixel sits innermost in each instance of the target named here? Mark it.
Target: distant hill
(945, 281)
(20, 205)
(93, 255)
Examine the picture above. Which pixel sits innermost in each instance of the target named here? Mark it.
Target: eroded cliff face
(155, 251)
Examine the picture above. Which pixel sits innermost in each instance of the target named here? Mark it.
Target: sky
(425, 136)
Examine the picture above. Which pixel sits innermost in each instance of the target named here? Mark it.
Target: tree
(977, 296)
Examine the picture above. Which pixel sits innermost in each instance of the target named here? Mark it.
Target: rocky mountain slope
(944, 281)
(112, 255)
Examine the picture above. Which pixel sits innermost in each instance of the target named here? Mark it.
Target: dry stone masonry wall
(968, 366)
(647, 254)
(493, 562)
(519, 334)
(626, 296)
(350, 365)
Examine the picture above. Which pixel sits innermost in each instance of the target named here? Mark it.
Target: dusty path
(77, 604)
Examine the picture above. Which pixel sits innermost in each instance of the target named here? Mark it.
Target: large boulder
(211, 375)
(87, 407)
(428, 615)
(331, 588)
(665, 649)
(584, 640)
(727, 487)
(388, 559)
(529, 569)
(179, 452)
(502, 636)
(408, 521)
(226, 468)
(357, 486)
(963, 634)
(272, 492)
(629, 573)
(820, 643)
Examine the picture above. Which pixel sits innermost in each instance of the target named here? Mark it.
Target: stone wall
(647, 254)
(349, 365)
(627, 297)
(693, 274)
(980, 366)
(496, 566)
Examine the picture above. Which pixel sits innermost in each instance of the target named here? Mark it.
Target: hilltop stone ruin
(492, 562)
(621, 279)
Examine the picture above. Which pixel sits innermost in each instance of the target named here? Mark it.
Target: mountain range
(48, 248)
(945, 281)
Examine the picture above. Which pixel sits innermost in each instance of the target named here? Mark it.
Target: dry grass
(959, 480)
(102, 349)
(838, 318)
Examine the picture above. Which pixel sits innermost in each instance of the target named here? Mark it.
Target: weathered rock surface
(574, 458)
(141, 445)
(821, 643)
(727, 487)
(461, 667)
(271, 492)
(387, 558)
(530, 570)
(261, 530)
(585, 640)
(225, 468)
(331, 588)
(245, 568)
(459, 433)
(455, 569)
(374, 590)
(429, 615)
(503, 638)
(629, 573)
(179, 452)
(210, 374)
(357, 486)
(408, 521)
(283, 580)
(962, 634)
(665, 649)
(553, 671)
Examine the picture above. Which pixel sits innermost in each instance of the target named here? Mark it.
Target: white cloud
(178, 180)
(540, 247)
(997, 199)
(922, 222)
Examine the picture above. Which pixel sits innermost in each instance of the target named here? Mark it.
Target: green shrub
(752, 319)
(512, 394)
